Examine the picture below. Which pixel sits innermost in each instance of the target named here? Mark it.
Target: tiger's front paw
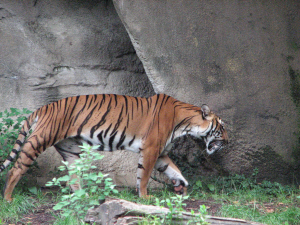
(179, 187)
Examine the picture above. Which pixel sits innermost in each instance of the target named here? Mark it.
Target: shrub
(77, 203)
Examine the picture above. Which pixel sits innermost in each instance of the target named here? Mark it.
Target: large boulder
(51, 49)
(240, 58)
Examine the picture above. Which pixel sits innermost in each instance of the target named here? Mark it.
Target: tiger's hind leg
(26, 157)
(69, 150)
(165, 165)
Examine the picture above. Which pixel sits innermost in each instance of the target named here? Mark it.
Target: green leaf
(60, 205)
(33, 190)
(64, 178)
(211, 187)
(94, 202)
(80, 192)
(199, 184)
(49, 183)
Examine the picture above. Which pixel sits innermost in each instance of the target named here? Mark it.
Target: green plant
(77, 203)
(10, 124)
(199, 219)
(150, 220)
(175, 205)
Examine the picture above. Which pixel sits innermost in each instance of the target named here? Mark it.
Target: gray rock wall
(241, 58)
(51, 49)
(235, 56)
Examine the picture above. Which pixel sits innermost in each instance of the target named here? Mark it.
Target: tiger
(147, 126)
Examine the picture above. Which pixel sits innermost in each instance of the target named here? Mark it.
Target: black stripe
(32, 146)
(102, 121)
(28, 125)
(81, 110)
(142, 106)
(132, 109)
(101, 148)
(163, 168)
(100, 137)
(122, 138)
(126, 103)
(66, 104)
(106, 131)
(182, 122)
(111, 140)
(102, 101)
(10, 158)
(137, 102)
(185, 129)
(95, 97)
(162, 103)
(90, 96)
(130, 143)
(119, 121)
(66, 112)
(27, 165)
(86, 120)
(75, 104)
(61, 150)
(179, 125)
(14, 151)
(39, 145)
(147, 100)
(167, 98)
(140, 166)
(27, 155)
(19, 165)
(56, 134)
(116, 100)
(157, 98)
(23, 133)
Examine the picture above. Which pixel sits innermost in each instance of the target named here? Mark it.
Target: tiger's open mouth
(215, 146)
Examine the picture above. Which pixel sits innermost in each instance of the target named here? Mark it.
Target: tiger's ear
(205, 111)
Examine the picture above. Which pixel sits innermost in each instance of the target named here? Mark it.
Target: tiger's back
(112, 121)
(144, 125)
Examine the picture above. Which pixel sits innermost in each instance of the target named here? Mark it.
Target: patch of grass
(70, 220)
(21, 204)
(254, 212)
(244, 198)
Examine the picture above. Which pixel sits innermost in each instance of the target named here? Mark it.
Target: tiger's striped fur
(144, 125)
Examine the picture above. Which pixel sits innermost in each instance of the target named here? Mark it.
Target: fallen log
(119, 211)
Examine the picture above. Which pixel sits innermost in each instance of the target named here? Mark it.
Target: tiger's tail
(31, 120)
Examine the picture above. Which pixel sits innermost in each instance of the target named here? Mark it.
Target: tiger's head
(216, 137)
(211, 130)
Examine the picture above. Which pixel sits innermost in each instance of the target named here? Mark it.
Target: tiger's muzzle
(215, 146)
